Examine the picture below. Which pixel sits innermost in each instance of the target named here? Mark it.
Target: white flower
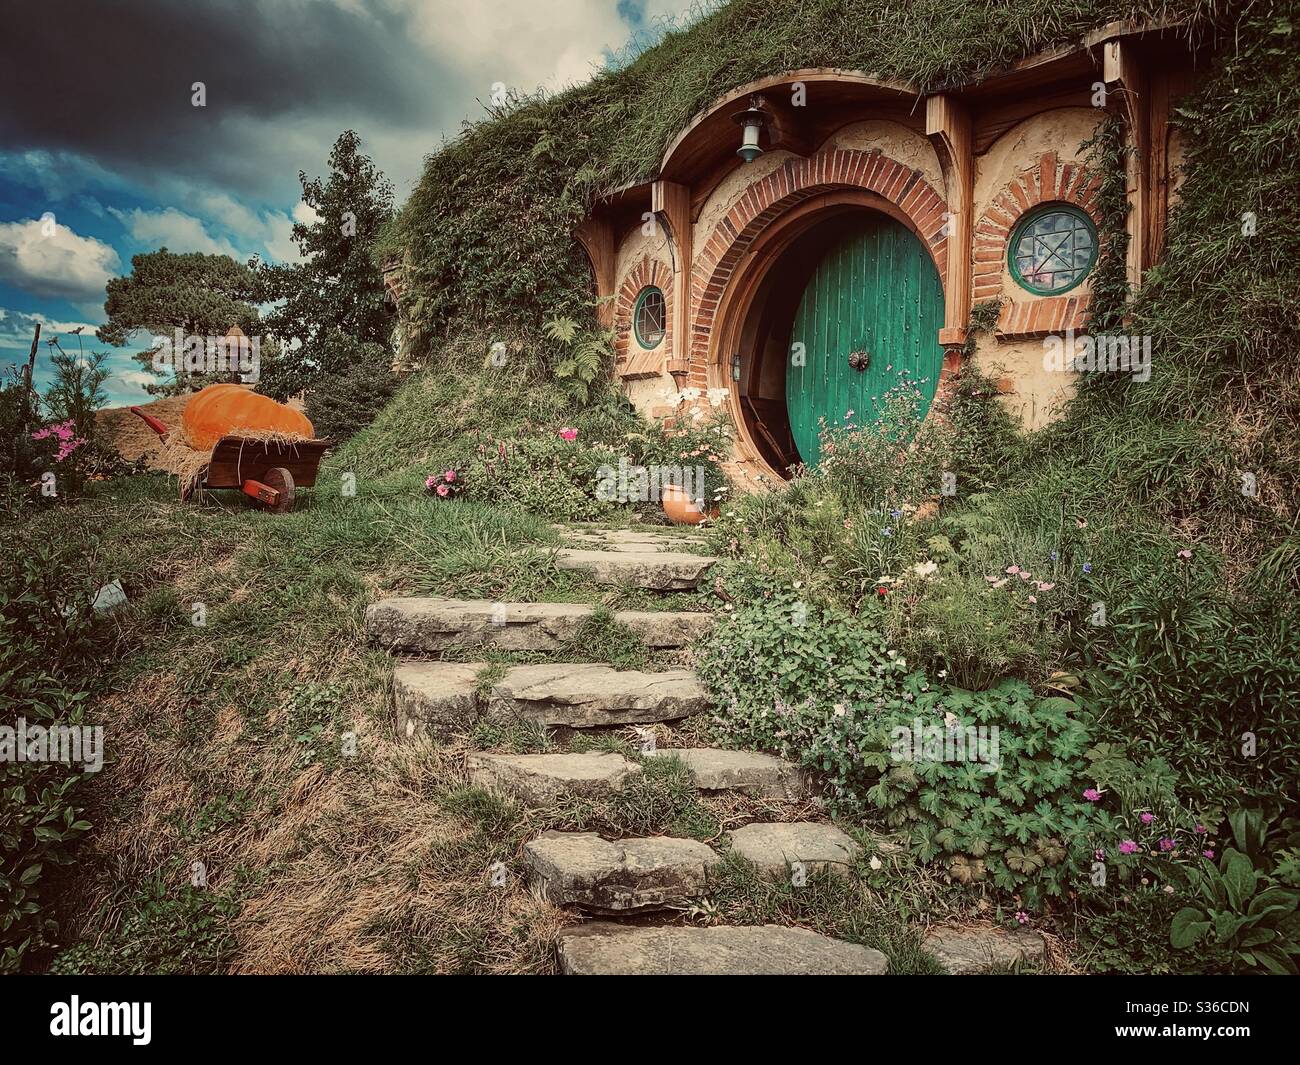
(691, 394)
(876, 864)
(717, 395)
(925, 569)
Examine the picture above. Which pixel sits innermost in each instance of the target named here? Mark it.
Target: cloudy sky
(103, 155)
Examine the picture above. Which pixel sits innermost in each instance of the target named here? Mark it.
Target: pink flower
(1128, 847)
(568, 433)
(1185, 554)
(1022, 917)
(429, 482)
(442, 489)
(1092, 795)
(1208, 853)
(1046, 586)
(1013, 570)
(1033, 599)
(1166, 844)
(1100, 854)
(1148, 818)
(449, 476)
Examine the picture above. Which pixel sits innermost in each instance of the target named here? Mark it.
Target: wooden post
(672, 202)
(948, 125)
(596, 235)
(1125, 93)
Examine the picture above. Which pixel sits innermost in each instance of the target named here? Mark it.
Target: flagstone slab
(582, 869)
(601, 948)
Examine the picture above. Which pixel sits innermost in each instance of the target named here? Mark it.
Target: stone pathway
(627, 877)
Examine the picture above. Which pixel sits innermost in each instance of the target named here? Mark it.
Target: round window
(1052, 249)
(649, 317)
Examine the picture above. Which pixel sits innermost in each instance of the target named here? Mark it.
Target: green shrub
(1248, 905)
(541, 473)
(44, 639)
(345, 401)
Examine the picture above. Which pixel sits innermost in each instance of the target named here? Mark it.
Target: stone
(661, 571)
(541, 779)
(633, 540)
(965, 949)
(774, 847)
(602, 948)
(582, 869)
(585, 696)
(433, 625)
(435, 699)
(748, 772)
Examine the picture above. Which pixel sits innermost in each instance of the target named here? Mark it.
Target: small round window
(1053, 249)
(649, 317)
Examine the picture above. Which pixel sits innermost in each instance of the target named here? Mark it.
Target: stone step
(632, 539)
(775, 847)
(582, 869)
(660, 571)
(748, 772)
(439, 698)
(966, 949)
(602, 948)
(435, 625)
(541, 779)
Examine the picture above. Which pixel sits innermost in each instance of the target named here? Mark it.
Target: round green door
(869, 320)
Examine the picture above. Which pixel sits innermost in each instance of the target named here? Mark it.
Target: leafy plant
(586, 354)
(1244, 910)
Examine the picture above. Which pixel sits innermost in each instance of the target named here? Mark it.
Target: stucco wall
(1036, 395)
(901, 144)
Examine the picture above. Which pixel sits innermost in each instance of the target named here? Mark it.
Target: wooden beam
(596, 235)
(948, 125)
(1126, 95)
(671, 202)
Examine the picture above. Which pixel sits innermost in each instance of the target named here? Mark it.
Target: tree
(329, 308)
(201, 295)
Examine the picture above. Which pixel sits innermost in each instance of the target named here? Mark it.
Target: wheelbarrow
(266, 470)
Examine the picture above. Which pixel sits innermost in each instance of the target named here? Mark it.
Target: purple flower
(1087, 567)
(886, 531)
(1022, 917)
(1092, 795)
(1208, 853)
(1166, 844)
(1128, 847)
(1147, 818)
(1054, 556)
(1200, 830)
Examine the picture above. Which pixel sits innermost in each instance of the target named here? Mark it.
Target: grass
(261, 742)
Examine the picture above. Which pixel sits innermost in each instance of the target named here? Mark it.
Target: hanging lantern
(751, 121)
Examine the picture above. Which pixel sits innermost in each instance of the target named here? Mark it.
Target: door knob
(859, 360)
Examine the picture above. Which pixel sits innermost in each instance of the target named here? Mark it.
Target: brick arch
(632, 360)
(1025, 314)
(797, 180)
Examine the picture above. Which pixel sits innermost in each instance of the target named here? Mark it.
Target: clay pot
(681, 509)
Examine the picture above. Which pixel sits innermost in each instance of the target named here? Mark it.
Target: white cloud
(49, 259)
(173, 229)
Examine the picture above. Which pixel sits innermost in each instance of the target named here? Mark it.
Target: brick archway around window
(1025, 315)
(768, 198)
(631, 359)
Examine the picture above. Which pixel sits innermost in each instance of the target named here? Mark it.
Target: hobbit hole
(845, 258)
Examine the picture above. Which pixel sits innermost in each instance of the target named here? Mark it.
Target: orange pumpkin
(223, 410)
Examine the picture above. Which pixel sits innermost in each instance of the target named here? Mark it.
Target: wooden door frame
(758, 260)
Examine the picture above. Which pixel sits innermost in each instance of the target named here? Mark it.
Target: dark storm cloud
(111, 80)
